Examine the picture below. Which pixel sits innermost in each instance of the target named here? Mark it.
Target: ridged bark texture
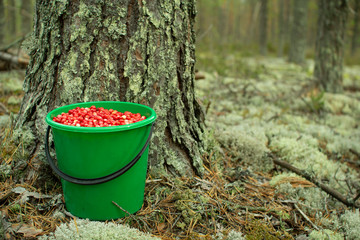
(329, 53)
(120, 50)
(298, 32)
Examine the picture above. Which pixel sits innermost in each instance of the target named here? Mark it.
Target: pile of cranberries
(97, 117)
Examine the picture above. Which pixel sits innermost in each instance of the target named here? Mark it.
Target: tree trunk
(329, 52)
(254, 12)
(237, 29)
(11, 19)
(312, 26)
(273, 23)
(2, 22)
(263, 28)
(280, 49)
(355, 32)
(222, 23)
(26, 16)
(298, 33)
(287, 25)
(128, 50)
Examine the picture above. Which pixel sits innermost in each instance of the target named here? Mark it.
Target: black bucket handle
(93, 181)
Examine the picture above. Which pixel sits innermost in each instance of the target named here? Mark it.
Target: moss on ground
(281, 111)
(267, 107)
(87, 230)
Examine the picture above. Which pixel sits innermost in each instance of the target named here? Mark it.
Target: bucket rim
(148, 121)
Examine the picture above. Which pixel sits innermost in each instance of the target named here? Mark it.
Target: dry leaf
(29, 231)
(161, 226)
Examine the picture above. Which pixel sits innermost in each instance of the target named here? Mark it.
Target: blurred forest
(16, 20)
(234, 27)
(227, 28)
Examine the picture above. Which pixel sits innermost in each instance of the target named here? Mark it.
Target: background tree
(298, 35)
(125, 50)
(329, 53)
(253, 7)
(355, 30)
(312, 18)
(281, 30)
(11, 18)
(2, 22)
(272, 23)
(222, 23)
(26, 16)
(263, 27)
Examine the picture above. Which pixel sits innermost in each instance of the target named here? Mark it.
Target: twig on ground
(3, 109)
(306, 217)
(357, 196)
(276, 116)
(68, 214)
(354, 152)
(327, 189)
(357, 163)
(77, 230)
(125, 211)
(4, 196)
(340, 184)
(153, 180)
(132, 216)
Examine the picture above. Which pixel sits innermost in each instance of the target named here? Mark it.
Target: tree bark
(298, 35)
(329, 52)
(355, 31)
(263, 27)
(128, 50)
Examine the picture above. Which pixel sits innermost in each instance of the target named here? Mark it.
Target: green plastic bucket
(102, 169)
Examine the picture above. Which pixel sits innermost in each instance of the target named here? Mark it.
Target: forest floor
(260, 112)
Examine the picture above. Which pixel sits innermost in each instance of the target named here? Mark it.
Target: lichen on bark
(168, 75)
(136, 51)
